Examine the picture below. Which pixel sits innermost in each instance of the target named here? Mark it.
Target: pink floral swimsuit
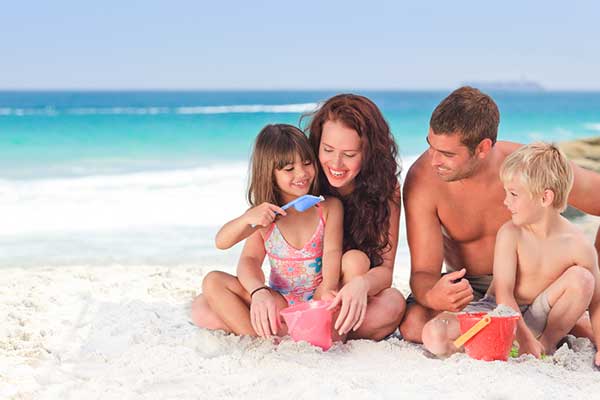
(295, 273)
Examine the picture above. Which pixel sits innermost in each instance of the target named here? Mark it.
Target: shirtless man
(453, 199)
(545, 268)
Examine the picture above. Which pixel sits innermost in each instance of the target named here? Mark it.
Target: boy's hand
(451, 293)
(597, 359)
(531, 346)
(263, 214)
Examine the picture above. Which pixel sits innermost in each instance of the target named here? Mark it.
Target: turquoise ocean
(146, 178)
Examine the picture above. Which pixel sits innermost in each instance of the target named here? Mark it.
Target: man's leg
(440, 333)
(384, 310)
(415, 319)
(568, 297)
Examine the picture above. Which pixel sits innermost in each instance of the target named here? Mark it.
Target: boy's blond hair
(540, 166)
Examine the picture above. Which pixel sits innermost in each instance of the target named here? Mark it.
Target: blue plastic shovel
(302, 203)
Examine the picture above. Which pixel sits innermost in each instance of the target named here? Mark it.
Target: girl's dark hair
(275, 147)
(367, 208)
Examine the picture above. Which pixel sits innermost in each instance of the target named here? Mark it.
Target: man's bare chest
(470, 216)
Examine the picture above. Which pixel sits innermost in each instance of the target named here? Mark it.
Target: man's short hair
(540, 166)
(467, 112)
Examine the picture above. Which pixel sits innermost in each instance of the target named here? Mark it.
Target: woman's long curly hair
(367, 209)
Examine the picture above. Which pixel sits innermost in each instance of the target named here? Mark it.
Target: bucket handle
(464, 338)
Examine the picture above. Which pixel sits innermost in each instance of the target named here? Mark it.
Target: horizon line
(250, 89)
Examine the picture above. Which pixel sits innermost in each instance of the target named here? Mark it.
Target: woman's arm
(380, 278)
(332, 247)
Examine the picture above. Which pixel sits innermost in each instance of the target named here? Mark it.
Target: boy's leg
(204, 317)
(568, 297)
(228, 299)
(439, 334)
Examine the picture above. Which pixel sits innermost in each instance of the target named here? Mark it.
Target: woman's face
(340, 155)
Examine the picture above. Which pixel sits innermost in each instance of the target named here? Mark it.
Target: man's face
(450, 159)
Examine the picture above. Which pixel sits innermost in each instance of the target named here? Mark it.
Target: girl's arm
(245, 225)
(332, 246)
(263, 307)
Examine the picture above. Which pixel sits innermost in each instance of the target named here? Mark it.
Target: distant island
(507, 86)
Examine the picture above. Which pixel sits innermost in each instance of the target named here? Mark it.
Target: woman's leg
(384, 310)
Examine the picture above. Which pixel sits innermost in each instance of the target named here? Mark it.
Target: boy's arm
(505, 274)
(246, 224)
(332, 247)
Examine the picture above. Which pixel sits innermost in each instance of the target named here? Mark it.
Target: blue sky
(299, 45)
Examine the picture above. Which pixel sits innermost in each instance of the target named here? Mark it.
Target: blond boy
(544, 266)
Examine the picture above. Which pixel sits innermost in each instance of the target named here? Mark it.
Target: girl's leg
(228, 299)
(384, 310)
(204, 317)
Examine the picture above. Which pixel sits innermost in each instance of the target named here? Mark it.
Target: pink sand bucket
(310, 322)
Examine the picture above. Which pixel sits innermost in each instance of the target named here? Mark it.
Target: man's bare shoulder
(420, 176)
(505, 148)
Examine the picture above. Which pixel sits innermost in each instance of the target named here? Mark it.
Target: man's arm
(505, 275)
(585, 195)
(589, 259)
(425, 241)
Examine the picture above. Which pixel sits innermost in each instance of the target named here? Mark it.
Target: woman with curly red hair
(357, 163)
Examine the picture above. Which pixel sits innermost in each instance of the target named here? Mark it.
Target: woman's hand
(264, 315)
(262, 215)
(353, 297)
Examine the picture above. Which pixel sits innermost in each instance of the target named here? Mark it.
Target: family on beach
(481, 207)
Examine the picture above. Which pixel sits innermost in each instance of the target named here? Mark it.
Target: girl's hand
(597, 359)
(263, 214)
(353, 297)
(324, 294)
(264, 315)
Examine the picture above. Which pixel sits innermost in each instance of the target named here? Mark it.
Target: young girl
(304, 248)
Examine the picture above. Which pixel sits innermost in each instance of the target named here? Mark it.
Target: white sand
(123, 333)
